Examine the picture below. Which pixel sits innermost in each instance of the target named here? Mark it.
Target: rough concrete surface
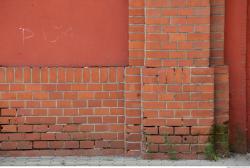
(234, 160)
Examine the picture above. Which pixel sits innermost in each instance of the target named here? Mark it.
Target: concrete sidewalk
(234, 160)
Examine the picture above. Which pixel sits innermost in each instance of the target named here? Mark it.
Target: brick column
(178, 84)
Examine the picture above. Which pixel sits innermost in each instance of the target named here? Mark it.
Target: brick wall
(62, 108)
(178, 111)
(221, 77)
(217, 32)
(178, 106)
(217, 60)
(160, 106)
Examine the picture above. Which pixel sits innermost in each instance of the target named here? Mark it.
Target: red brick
(24, 128)
(4, 120)
(78, 74)
(55, 128)
(94, 120)
(2, 75)
(36, 75)
(17, 87)
(8, 145)
(95, 75)
(151, 130)
(48, 136)
(70, 76)
(40, 145)
(190, 139)
(181, 130)
(71, 144)
(40, 128)
(10, 77)
(9, 128)
(39, 112)
(64, 104)
(156, 139)
(87, 144)
(3, 137)
(201, 130)
(110, 119)
(86, 75)
(86, 128)
(154, 122)
(33, 87)
(134, 137)
(32, 136)
(117, 144)
(166, 130)
(24, 145)
(56, 144)
(40, 120)
(79, 120)
(63, 136)
(16, 136)
(71, 128)
(134, 146)
(16, 120)
(136, 121)
(64, 120)
(55, 112)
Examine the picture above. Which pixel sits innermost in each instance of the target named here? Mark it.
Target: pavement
(234, 160)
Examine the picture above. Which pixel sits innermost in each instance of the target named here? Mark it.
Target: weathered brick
(86, 144)
(9, 128)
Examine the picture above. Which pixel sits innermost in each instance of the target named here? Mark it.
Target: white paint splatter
(26, 34)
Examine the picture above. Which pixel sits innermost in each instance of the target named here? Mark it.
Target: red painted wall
(235, 57)
(248, 75)
(64, 32)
